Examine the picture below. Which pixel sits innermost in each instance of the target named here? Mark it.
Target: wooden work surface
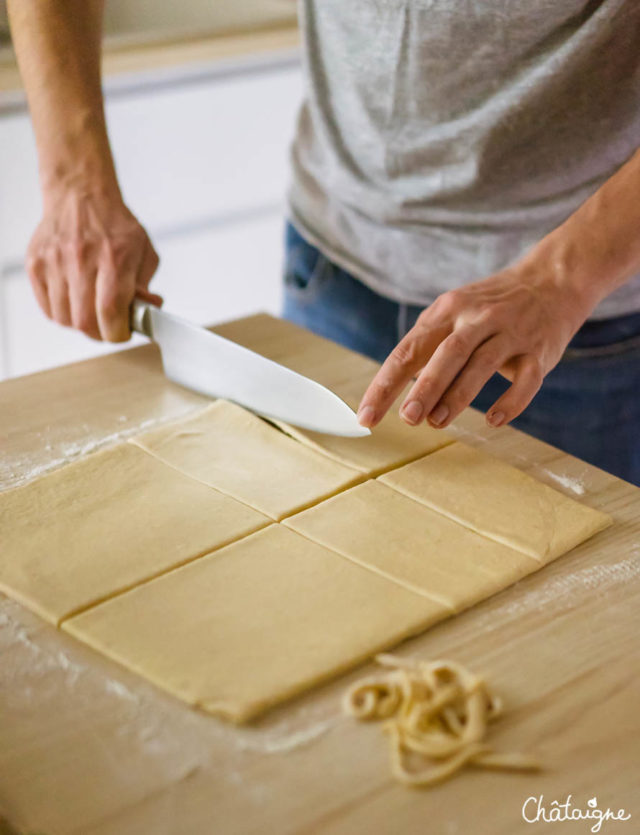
(86, 747)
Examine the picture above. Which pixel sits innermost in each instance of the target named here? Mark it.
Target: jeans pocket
(306, 269)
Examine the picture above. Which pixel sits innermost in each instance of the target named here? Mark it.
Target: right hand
(87, 260)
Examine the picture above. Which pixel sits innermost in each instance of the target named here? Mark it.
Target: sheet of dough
(254, 623)
(105, 523)
(399, 538)
(391, 443)
(235, 451)
(498, 500)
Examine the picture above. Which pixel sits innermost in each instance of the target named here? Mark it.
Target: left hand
(517, 322)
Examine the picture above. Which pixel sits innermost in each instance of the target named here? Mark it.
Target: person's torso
(440, 139)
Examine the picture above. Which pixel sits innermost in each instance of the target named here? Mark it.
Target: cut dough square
(498, 501)
(254, 623)
(112, 520)
(240, 454)
(391, 443)
(399, 538)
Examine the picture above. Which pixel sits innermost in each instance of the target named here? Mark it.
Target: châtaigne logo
(534, 810)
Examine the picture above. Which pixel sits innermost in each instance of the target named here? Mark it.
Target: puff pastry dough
(498, 500)
(401, 539)
(112, 520)
(391, 444)
(254, 623)
(229, 448)
(162, 553)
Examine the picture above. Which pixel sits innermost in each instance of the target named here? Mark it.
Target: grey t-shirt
(440, 139)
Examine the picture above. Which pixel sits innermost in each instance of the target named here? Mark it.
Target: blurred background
(201, 99)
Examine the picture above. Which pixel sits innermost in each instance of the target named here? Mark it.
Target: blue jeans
(588, 406)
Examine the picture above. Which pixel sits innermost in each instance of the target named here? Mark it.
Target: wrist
(79, 186)
(556, 266)
(78, 161)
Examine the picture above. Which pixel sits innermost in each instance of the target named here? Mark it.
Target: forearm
(597, 249)
(89, 256)
(58, 44)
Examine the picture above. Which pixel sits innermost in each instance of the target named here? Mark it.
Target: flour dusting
(17, 471)
(560, 592)
(280, 743)
(572, 484)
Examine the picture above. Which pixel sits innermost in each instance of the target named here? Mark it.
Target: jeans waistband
(598, 333)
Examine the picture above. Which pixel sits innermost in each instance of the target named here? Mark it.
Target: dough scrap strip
(436, 712)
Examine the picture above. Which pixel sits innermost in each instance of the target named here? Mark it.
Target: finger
(59, 302)
(527, 380)
(152, 298)
(58, 291)
(449, 358)
(37, 272)
(82, 297)
(406, 359)
(148, 267)
(115, 290)
(482, 365)
(81, 277)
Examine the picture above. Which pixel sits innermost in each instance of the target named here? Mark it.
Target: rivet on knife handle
(139, 317)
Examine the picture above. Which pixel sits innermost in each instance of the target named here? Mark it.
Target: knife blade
(217, 367)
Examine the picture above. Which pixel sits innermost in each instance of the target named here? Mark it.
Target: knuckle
(74, 250)
(424, 387)
(457, 344)
(446, 302)
(489, 313)
(382, 389)
(405, 353)
(536, 374)
(116, 250)
(83, 252)
(425, 315)
(489, 358)
(36, 267)
(109, 256)
(51, 254)
(459, 397)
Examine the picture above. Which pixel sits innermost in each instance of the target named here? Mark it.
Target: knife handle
(139, 318)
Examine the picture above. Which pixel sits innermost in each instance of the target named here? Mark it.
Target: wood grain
(87, 748)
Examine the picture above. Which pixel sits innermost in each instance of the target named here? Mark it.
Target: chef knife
(211, 365)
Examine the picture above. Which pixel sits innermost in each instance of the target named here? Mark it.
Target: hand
(517, 322)
(87, 260)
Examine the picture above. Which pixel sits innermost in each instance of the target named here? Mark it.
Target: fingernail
(495, 418)
(439, 414)
(412, 411)
(366, 415)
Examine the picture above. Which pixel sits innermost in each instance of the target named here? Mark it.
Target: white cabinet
(205, 149)
(203, 163)
(225, 272)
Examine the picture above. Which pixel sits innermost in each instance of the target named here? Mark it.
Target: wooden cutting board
(87, 748)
